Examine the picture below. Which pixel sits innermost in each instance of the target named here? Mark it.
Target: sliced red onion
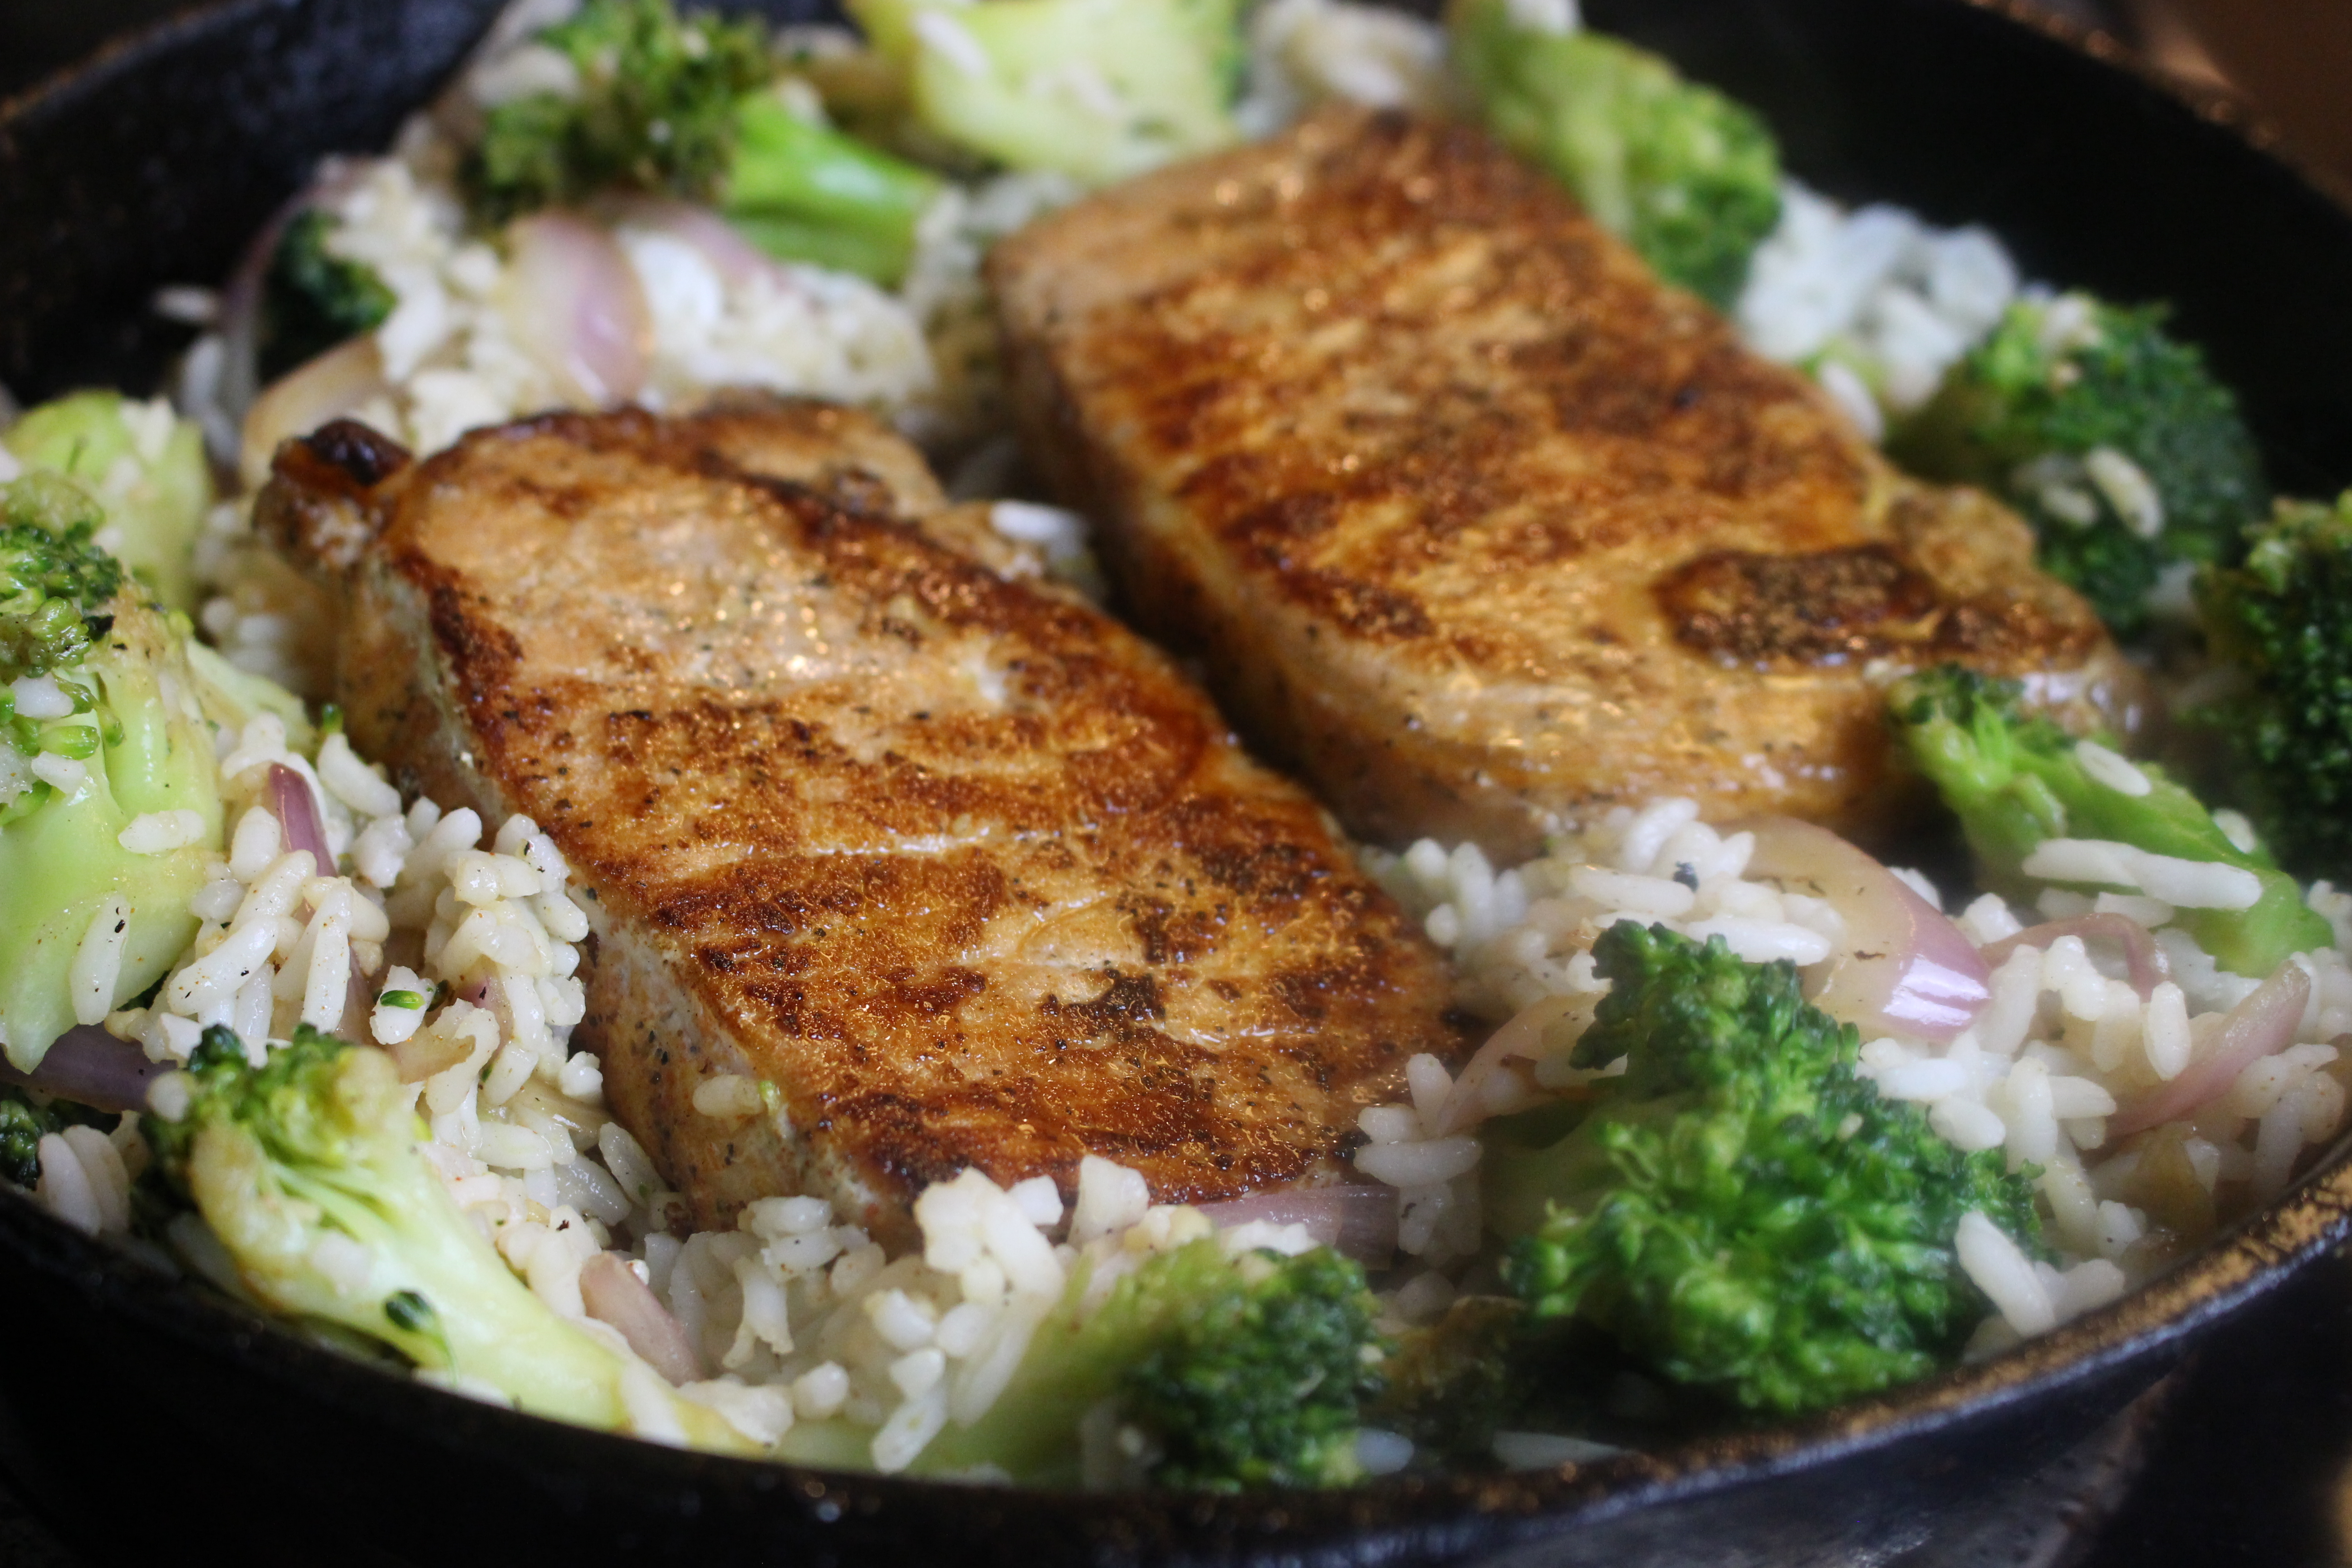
(577, 309)
(1905, 969)
(719, 243)
(2149, 967)
(613, 1294)
(359, 1003)
(1358, 1220)
(2263, 1024)
(296, 810)
(327, 388)
(240, 311)
(1522, 1037)
(89, 1066)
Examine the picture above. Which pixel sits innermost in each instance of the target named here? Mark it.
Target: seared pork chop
(967, 871)
(1477, 522)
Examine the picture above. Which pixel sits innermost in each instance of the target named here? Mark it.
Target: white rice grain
(2111, 769)
(96, 966)
(727, 1097)
(1418, 1164)
(1967, 1124)
(1998, 1266)
(65, 1188)
(108, 1177)
(354, 782)
(161, 832)
(1111, 1198)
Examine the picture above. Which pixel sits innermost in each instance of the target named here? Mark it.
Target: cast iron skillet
(147, 1418)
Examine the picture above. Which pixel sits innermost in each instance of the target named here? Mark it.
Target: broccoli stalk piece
(1242, 1370)
(307, 1169)
(1742, 1212)
(2015, 779)
(1097, 89)
(678, 106)
(313, 300)
(1687, 176)
(802, 192)
(137, 742)
(2284, 618)
(146, 468)
(2112, 438)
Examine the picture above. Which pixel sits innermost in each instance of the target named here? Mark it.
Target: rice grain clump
(465, 343)
(2154, 1092)
(1875, 303)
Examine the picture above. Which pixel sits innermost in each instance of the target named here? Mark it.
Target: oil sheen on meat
(1477, 523)
(963, 869)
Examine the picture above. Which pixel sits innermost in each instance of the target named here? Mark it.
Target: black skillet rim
(2252, 1258)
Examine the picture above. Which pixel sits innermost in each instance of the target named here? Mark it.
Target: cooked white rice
(2064, 1038)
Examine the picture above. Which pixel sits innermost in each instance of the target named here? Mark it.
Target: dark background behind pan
(158, 1422)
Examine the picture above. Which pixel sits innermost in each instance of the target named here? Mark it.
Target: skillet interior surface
(143, 1417)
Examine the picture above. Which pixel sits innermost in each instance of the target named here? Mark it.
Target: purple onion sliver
(297, 815)
(2149, 967)
(612, 1293)
(1354, 1219)
(90, 1067)
(2263, 1024)
(1521, 1037)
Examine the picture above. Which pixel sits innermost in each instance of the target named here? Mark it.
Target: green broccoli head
(2112, 436)
(1742, 1211)
(135, 744)
(313, 300)
(307, 1169)
(2284, 617)
(1687, 176)
(655, 110)
(24, 1121)
(145, 469)
(1450, 1385)
(1243, 1370)
(1260, 1384)
(672, 105)
(1097, 90)
(55, 584)
(2015, 779)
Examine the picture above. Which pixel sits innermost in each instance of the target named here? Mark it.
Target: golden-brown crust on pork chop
(966, 870)
(1475, 521)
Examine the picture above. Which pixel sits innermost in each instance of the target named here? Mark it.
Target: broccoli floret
(1742, 1211)
(2015, 779)
(1241, 1370)
(675, 106)
(2284, 617)
(146, 468)
(2111, 437)
(1450, 1385)
(313, 300)
(655, 110)
(1687, 176)
(135, 743)
(307, 1169)
(24, 1121)
(1097, 89)
(55, 584)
